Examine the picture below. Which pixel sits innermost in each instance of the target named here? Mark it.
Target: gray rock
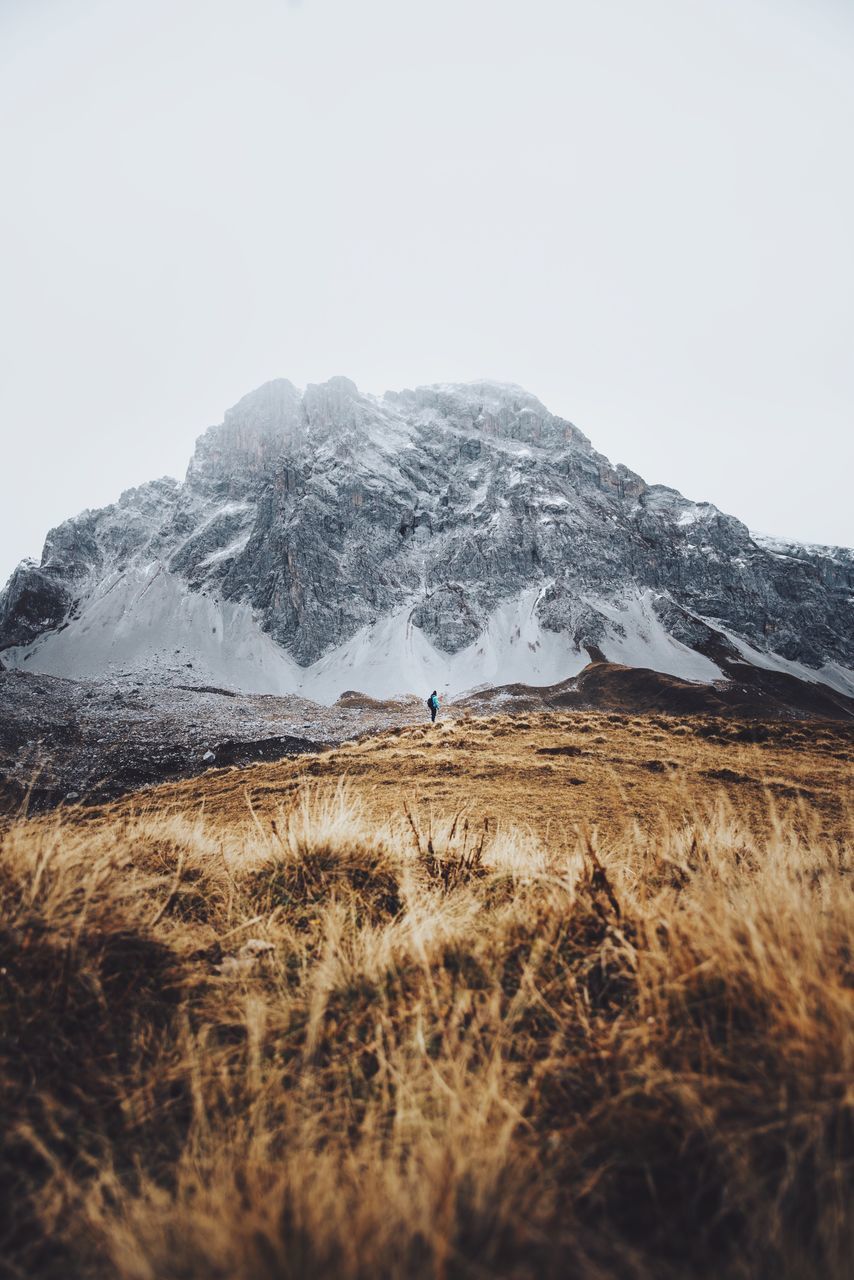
(327, 510)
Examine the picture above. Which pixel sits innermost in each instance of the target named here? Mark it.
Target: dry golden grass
(475, 1049)
(553, 772)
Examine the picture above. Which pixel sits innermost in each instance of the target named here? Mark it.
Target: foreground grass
(467, 1054)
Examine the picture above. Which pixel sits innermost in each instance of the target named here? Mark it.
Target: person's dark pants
(432, 715)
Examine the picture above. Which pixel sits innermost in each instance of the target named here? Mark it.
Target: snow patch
(791, 547)
(147, 621)
(394, 657)
(832, 674)
(637, 638)
(226, 553)
(691, 514)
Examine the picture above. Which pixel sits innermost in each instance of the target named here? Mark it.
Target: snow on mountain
(450, 537)
(803, 550)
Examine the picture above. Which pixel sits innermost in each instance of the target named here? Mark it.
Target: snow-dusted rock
(447, 536)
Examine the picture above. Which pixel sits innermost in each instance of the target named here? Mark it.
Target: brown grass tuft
(474, 1050)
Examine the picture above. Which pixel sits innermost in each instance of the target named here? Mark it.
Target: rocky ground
(68, 740)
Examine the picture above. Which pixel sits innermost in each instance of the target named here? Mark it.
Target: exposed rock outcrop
(437, 521)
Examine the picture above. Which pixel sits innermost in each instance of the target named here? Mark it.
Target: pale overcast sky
(641, 211)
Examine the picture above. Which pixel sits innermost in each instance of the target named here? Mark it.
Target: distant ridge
(750, 693)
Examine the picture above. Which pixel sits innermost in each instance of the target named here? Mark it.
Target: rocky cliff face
(452, 534)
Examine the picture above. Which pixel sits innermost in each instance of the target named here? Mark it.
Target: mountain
(450, 536)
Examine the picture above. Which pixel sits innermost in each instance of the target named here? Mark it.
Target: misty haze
(426, 646)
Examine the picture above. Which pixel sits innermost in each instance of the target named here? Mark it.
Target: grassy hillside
(554, 772)
(522, 999)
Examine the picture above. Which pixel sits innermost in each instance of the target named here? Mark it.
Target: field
(538, 996)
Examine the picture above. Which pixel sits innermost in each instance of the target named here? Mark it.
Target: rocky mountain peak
(456, 534)
(228, 457)
(269, 409)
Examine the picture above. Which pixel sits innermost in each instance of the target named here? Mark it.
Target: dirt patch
(749, 693)
(727, 775)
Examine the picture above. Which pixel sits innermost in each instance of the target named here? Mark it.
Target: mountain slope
(448, 536)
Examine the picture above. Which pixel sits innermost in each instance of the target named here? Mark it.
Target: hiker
(433, 704)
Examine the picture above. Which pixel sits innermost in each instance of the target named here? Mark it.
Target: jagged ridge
(454, 534)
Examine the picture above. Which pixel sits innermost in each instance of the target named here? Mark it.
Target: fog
(640, 212)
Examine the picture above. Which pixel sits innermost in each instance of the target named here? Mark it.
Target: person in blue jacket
(433, 704)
